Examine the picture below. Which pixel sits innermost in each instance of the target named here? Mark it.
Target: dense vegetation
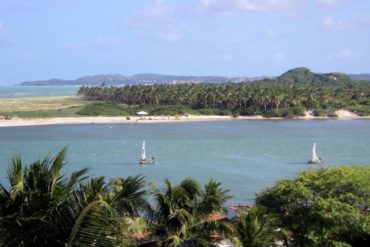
(42, 207)
(287, 95)
(102, 109)
(326, 207)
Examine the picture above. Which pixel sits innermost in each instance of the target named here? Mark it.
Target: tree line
(289, 94)
(43, 207)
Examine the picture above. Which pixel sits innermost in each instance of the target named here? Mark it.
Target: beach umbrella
(141, 113)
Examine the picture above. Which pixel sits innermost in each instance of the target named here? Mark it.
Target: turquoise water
(246, 156)
(37, 91)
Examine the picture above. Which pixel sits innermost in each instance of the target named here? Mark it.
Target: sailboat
(315, 159)
(143, 159)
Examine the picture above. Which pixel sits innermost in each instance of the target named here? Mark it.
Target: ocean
(245, 156)
(37, 91)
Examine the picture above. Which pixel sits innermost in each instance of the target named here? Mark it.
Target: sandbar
(341, 115)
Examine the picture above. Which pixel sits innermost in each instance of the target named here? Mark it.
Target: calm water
(246, 156)
(37, 91)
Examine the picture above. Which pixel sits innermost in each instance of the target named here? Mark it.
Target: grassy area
(42, 107)
(51, 107)
(103, 109)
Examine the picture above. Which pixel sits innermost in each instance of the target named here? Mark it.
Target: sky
(66, 39)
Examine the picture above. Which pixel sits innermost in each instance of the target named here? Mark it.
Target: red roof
(141, 235)
(216, 216)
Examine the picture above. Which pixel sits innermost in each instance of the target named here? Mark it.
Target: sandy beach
(341, 115)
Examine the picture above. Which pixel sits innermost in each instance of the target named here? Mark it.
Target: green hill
(305, 76)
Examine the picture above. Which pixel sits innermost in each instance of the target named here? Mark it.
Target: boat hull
(315, 162)
(145, 162)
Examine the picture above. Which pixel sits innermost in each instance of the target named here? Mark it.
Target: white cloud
(155, 13)
(100, 42)
(158, 9)
(161, 19)
(279, 58)
(3, 34)
(345, 54)
(336, 25)
(14, 7)
(6, 36)
(227, 57)
(172, 36)
(271, 34)
(231, 6)
(328, 2)
(341, 26)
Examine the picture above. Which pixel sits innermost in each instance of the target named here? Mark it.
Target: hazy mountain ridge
(297, 75)
(146, 78)
(362, 77)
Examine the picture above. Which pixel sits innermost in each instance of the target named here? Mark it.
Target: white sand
(345, 114)
(342, 114)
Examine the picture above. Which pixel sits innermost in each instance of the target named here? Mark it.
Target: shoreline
(13, 122)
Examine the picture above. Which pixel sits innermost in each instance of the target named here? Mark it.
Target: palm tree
(105, 211)
(180, 214)
(29, 209)
(254, 229)
(44, 208)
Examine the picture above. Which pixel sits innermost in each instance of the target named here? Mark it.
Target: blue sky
(43, 39)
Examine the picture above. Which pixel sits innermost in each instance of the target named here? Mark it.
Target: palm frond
(57, 164)
(76, 178)
(15, 176)
(131, 196)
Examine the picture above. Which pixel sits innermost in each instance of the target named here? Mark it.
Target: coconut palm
(180, 214)
(104, 211)
(254, 229)
(44, 208)
(29, 208)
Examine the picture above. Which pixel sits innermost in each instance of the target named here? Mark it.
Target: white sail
(143, 157)
(315, 158)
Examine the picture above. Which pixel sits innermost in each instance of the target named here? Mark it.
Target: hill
(305, 76)
(118, 79)
(298, 75)
(362, 77)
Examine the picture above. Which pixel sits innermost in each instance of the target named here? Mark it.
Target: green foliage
(42, 207)
(293, 91)
(63, 112)
(361, 110)
(102, 109)
(298, 75)
(180, 214)
(325, 207)
(165, 110)
(254, 229)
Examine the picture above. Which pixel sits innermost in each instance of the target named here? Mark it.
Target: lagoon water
(37, 91)
(246, 156)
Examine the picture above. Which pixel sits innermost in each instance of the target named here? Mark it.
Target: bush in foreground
(325, 207)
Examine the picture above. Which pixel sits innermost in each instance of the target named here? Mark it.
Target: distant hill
(298, 75)
(305, 76)
(117, 79)
(51, 82)
(362, 77)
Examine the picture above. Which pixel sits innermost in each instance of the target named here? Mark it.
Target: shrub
(102, 109)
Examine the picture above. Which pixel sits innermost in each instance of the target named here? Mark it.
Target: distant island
(148, 78)
(289, 95)
(118, 79)
(298, 93)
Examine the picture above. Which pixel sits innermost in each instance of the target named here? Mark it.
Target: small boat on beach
(143, 160)
(315, 159)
